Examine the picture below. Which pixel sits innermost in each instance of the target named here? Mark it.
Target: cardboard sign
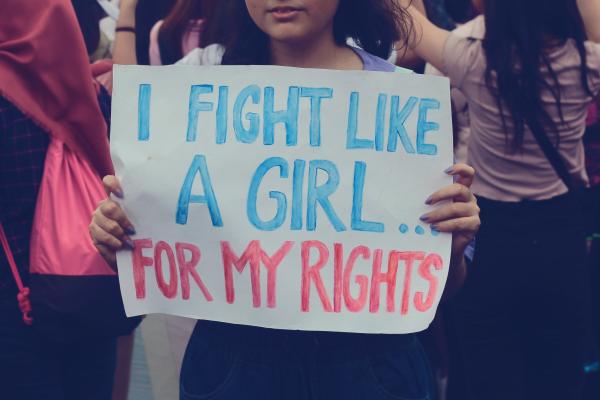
(281, 197)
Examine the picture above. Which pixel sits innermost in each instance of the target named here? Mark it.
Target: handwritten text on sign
(283, 198)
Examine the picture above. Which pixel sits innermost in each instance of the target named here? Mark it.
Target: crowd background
(167, 31)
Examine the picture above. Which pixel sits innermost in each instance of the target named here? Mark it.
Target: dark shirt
(23, 146)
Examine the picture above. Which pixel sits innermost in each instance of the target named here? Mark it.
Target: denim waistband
(255, 342)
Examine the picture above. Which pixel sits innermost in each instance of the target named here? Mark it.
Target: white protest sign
(280, 197)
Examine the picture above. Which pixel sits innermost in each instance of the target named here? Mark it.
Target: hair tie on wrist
(125, 29)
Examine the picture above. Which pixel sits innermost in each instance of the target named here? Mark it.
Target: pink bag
(70, 282)
(69, 194)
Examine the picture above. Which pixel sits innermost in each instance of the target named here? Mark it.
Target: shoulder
(474, 29)
(462, 49)
(593, 62)
(155, 29)
(463, 59)
(468, 36)
(372, 62)
(593, 52)
(210, 55)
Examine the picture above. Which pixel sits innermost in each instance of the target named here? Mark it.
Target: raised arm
(429, 40)
(590, 12)
(124, 52)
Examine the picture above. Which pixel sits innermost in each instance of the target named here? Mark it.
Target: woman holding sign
(225, 361)
(522, 313)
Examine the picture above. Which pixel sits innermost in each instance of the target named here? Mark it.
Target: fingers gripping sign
(110, 228)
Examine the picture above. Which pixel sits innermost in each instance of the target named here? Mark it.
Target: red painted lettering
(408, 257)
(168, 290)
(338, 266)
(356, 304)
(425, 272)
(271, 263)
(389, 278)
(251, 255)
(140, 261)
(188, 267)
(313, 273)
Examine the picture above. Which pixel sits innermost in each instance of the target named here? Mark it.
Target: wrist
(125, 23)
(126, 16)
(128, 6)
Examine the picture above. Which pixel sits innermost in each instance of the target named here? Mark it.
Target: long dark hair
(175, 25)
(520, 35)
(375, 25)
(89, 13)
(461, 11)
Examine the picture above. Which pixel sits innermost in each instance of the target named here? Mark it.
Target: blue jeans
(231, 362)
(35, 367)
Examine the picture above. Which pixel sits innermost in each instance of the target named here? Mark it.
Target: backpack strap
(552, 154)
(23, 296)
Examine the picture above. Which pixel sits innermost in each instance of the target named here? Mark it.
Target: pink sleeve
(460, 57)
(154, 50)
(593, 61)
(191, 38)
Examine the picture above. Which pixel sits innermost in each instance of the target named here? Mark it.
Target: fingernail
(129, 243)
(435, 228)
(424, 218)
(130, 230)
(449, 170)
(118, 193)
(429, 200)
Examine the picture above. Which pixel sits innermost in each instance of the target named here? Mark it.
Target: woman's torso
(212, 55)
(525, 174)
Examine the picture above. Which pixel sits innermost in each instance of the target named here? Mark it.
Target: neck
(320, 52)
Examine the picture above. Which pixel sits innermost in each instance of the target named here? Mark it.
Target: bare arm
(124, 52)
(428, 40)
(590, 12)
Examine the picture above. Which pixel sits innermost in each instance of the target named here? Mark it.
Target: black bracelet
(125, 29)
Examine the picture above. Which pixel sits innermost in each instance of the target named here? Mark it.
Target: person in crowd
(446, 14)
(592, 214)
(473, 29)
(178, 34)
(44, 90)
(293, 364)
(177, 39)
(147, 13)
(522, 315)
(449, 366)
(592, 158)
(89, 13)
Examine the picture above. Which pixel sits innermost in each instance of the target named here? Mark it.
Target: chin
(288, 35)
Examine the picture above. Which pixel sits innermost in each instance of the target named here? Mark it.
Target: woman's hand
(460, 215)
(110, 228)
